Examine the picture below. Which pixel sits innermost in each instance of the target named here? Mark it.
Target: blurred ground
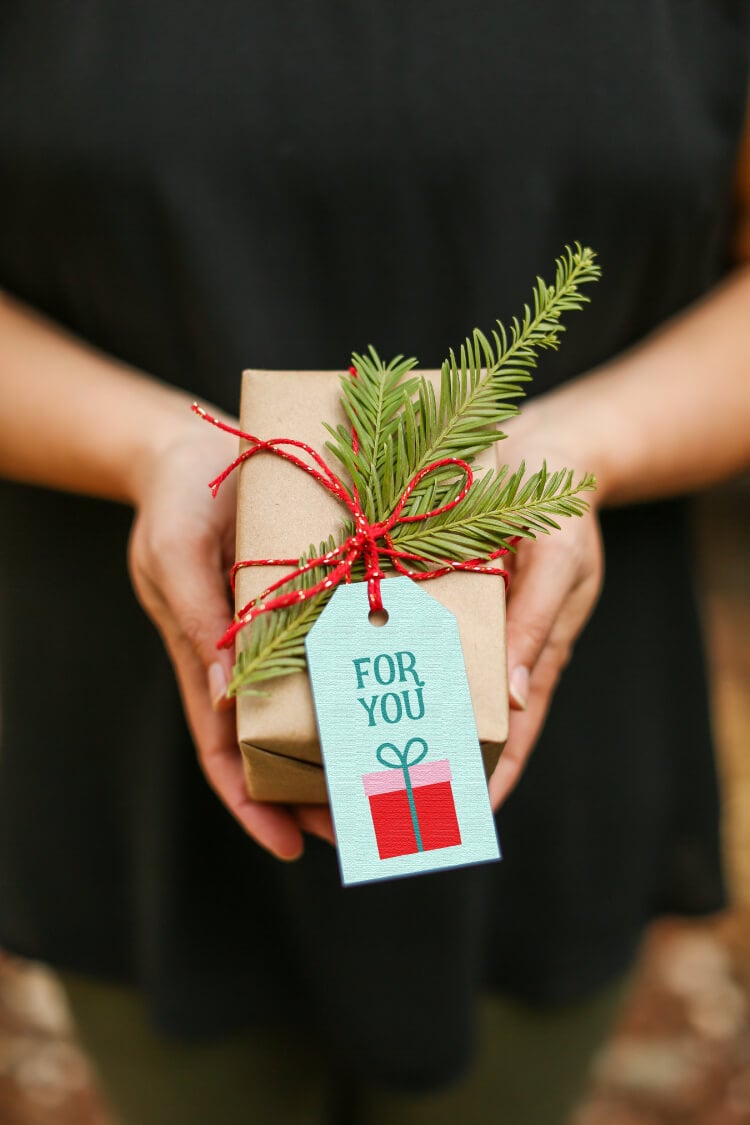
(44, 1077)
(680, 1054)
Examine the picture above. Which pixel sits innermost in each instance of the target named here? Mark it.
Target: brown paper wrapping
(281, 511)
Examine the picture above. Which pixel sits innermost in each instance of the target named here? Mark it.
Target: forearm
(75, 419)
(669, 416)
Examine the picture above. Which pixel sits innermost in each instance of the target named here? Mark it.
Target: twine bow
(402, 762)
(369, 541)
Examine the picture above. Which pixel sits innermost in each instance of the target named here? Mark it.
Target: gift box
(281, 512)
(412, 805)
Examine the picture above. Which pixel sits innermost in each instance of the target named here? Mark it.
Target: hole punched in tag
(378, 617)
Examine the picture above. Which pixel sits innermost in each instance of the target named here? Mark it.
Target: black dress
(201, 187)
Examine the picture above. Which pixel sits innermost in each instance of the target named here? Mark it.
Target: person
(189, 191)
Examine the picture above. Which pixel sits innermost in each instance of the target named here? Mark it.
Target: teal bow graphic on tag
(402, 762)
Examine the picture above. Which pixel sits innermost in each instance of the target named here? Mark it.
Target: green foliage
(275, 643)
(374, 403)
(403, 426)
(498, 507)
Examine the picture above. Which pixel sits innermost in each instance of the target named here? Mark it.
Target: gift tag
(400, 748)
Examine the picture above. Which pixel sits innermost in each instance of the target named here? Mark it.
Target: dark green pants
(530, 1068)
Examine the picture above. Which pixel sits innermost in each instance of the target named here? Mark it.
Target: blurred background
(680, 1054)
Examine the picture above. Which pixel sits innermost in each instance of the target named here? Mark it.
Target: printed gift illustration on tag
(411, 803)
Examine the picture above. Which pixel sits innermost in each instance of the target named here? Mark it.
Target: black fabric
(197, 188)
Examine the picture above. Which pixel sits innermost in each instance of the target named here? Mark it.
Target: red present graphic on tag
(411, 803)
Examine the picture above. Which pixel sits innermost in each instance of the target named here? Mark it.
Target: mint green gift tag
(400, 747)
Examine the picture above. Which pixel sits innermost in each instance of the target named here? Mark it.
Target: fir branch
(402, 427)
(373, 402)
(274, 645)
(473, 402)
(496, 508)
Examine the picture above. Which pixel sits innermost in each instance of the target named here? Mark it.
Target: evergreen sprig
(498, 507)
(275, 644)
(475, 388)
(373, 404)
(403, 426)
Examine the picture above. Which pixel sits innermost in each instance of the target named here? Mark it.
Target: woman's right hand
(76, 419)
(181, 548)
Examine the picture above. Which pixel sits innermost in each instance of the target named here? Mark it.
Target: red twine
(363, 543)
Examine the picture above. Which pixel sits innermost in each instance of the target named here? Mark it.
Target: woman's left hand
(554, 585)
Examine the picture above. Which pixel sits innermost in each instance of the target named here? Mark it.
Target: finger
(504, 780)
(541, 584)
(317, 821)
(272, 826)
(525, 727)
(186, 598)
(202, 612)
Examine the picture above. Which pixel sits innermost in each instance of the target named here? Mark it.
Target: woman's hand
(75, 419)
(555, 582)
(181, 548)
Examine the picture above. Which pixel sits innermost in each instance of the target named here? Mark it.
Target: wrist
(165, 422)
(172, 432)
(76, 419)
(570, 430)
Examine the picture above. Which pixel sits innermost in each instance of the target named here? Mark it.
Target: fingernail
(519, 686)
(217, 684)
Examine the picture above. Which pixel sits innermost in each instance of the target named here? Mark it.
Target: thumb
(204, 632)
(180, 582)
(202, 611)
